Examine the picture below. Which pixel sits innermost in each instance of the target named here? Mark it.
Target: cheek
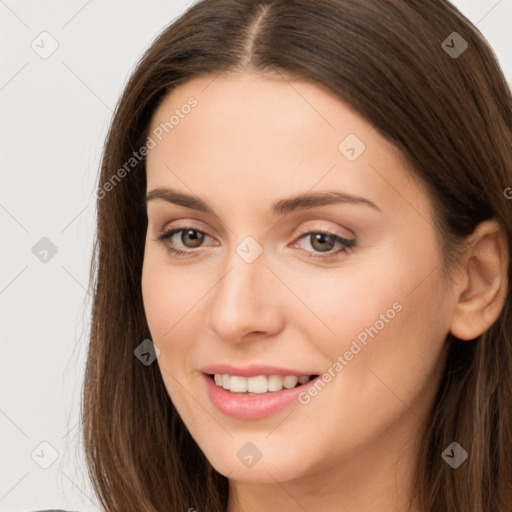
(391, 316)
(169, 294)
(344, 303)
(170, 302)
(401, 337)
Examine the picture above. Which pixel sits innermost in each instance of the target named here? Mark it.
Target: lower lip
(255, 407)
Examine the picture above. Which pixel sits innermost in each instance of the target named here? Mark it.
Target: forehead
(255, 134)
(259, 103)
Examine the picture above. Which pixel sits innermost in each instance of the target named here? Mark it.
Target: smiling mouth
(259, 385)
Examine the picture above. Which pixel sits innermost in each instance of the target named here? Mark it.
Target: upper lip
(254, 370)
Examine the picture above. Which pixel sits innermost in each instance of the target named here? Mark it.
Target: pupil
(321, 237)
(194, 236)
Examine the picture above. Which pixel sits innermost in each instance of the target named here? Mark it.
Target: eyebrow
(281, 207)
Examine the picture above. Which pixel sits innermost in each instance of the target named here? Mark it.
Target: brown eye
(323, 244)
(181, 241)
(322, 241)
(195, 237)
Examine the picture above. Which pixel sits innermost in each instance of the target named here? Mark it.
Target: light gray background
(55, 114)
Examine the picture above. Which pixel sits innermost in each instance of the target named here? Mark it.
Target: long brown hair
(451, 117)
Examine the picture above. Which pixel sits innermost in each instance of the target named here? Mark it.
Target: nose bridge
(240, 302)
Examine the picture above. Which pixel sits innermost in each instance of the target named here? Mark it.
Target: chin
(270, 469)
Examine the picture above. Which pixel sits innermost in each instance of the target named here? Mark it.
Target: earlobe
(481, 297)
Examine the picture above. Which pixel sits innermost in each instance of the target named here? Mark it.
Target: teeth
(290, 382)
(238, 384)
(258, 385)
(275, 383)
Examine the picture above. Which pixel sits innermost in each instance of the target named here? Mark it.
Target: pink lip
(256, 407)
(254, 370)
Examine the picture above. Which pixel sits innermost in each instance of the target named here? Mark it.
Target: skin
(254, 139)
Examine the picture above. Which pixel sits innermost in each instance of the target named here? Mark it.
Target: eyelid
(167, 233)
(318, 228)
(305, 228)
(347, 242)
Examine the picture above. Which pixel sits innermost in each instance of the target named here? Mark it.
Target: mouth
(256, 391)
(260, 384)
(258, 401)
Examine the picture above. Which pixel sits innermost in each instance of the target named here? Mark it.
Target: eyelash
(346, 244)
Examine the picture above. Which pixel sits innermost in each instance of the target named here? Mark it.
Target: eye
(190, 238)
(323, 242)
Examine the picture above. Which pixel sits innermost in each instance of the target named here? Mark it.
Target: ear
(482, 289)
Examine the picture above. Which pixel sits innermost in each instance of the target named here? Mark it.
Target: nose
(246, 302)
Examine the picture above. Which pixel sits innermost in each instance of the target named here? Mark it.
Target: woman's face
(346, 285)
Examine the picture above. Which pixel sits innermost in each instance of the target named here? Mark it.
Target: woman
(301, 276)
